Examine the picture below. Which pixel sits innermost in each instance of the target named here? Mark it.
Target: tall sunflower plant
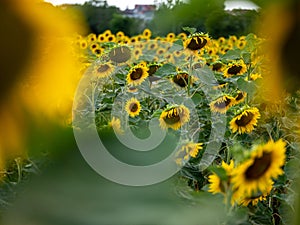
(204, 91)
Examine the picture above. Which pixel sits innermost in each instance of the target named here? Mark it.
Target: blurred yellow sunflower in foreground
(216, 185)
(256, 173)
(39, 68)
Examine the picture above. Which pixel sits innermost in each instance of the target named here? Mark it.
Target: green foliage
(129, 26)
(235, 22)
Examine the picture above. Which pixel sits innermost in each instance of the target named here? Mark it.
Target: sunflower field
(207, 95)
(134, 130)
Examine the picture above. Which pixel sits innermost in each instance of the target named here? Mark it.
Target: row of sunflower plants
(203, 93)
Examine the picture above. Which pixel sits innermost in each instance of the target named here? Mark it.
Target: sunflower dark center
(120, 54)
(181, 79)
(245, 119)
(172, 117)
(239, 96)
(197, 43)
(235, 69)
(97, 51)
(216, 66)
(259, 167)
(223, 104)
(136, 74)
(103, 68)
(133, 107)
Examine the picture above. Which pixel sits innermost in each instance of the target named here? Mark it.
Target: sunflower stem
(190, 74)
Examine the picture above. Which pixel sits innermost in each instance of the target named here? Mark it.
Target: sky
(119, 3)
(130, 4)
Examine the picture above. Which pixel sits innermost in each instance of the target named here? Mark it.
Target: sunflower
(181, 79)
(152, 46)
(222, 104)
(219, 85)
(101, 38)
(188, 150)
(132, 89)
(160, 51)
(153, 67)
(98, 51)
(240, 97)
(256, 173)
(217, 66)
(83, 44)
(103, 70)
(221, 40)
(241, 44)
(147, 33)
(115, 123)
(174, 117)
(120, 35)
(133, 107)
(137, 74)
(216, 184)
(120, 54)
(235, 68)
(182, 36)
(196, 41)
(245, 121)
(93, 45)
(111, 38)
(255, 198)
(91, 37)
(106, 33)
(137, 52)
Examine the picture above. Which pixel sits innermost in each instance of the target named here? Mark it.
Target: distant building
(144, 12)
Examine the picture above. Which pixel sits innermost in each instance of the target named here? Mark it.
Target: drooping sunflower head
(181, 79)
(153, 67)
(240, 97)
(103, 70)
(174, 117)
(256, 173)
(235, 68)
(120, 54)
(137, 74)
(245, 121)
(222, 104)
(196, 41)
(133, 107)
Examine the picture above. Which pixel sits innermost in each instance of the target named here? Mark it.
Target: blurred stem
(190, 74)
(248, 77)
(18, 163)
